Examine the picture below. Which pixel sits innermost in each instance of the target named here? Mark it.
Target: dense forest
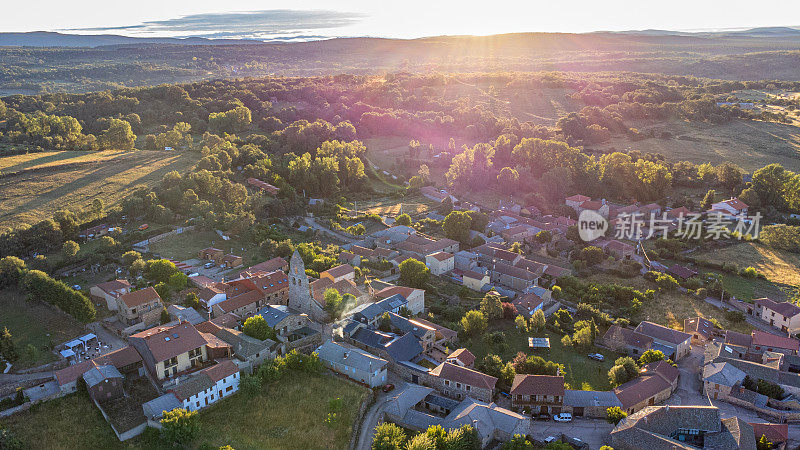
(304, 136)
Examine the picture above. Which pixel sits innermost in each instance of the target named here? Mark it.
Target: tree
(491, 306)
(7, 347)
(538, 320)
(624, 370)
(118, 135)
(11, 270)
(160, 269)
(231, 121)
(164, 316)
(180, 426)
(129, 257)
(544, 236)
(521, 324)
(256, 327)
(403, 219)
(385, 322)
(388, 436)
(474, 323)
(491, 365)
(414, 273)
(666, 282)
(518, 442)
(508, 179)
(763, 443)
(334, 303)
(615, 414)
(191, 301)
(708, 199)
(70, 249)
(651, 356)
(456, 226)
(421, 441)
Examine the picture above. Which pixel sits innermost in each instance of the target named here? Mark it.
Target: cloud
(267, 23)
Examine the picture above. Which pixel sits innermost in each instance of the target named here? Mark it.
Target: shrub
(734, 316)
(615, 414)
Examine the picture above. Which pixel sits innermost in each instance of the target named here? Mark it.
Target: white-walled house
(440, 262)
(733, 207)
(784, 316)
(207, 386)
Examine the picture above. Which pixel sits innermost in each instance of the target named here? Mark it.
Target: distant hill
(53, 39)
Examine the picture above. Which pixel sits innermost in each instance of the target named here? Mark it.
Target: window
(229, 388)
(198, 403)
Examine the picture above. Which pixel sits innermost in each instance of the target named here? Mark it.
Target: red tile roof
(111, 287)
(239, 301)
(167, 342)
(267, 267)
(764, 339)
(735, 203)
(140, 297)
(465, 356)
(464, 375)
(578, 198)
(538, 385)
(221, 370)
(785, 309)
(441, 256)
(339, 271)
(118, 358)
(387, 292)
(776, 433)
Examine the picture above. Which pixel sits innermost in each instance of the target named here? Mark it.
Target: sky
(265, 19)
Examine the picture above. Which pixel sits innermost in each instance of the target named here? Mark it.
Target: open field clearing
(672, 307)
(749, 144)
(779, 266)
(71, 422)
(34, 186)
(582, 372)
(185, 246)
(35, 326)
(289, 414)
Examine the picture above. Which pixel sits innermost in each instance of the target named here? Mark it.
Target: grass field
(670, 308)
(66, 423)
(749, 144)
(582, 372)
(290, 414)
(36, 185)
(35, 324)
(779, 266)
(187, 245)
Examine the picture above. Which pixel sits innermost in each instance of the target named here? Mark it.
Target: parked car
(143, 227)
(77, 287)
(563, 417)
(597, 356)
(550, 439)
(387, 387)
(209, 265)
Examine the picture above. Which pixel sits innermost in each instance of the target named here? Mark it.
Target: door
(415, 379)
(577, 411)
(543, 409)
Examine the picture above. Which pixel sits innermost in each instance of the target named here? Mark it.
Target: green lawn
(290, 414)
(67, 423)
(35, 324)
(582, 372)
(185, 246)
